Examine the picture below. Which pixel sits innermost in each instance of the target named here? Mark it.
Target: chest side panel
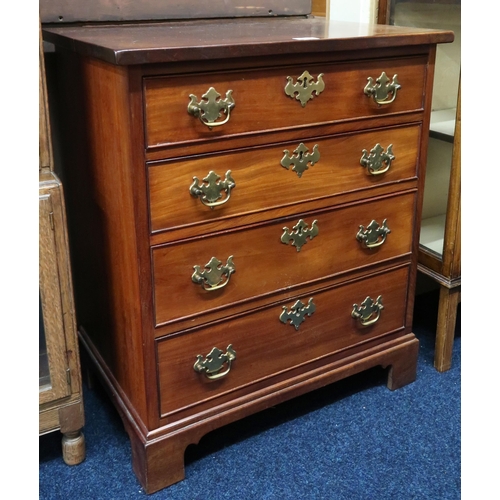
(100, 176)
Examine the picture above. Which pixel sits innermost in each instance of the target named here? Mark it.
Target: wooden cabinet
(440, 245)
(440, 241)
(60, 391)
(244, 213)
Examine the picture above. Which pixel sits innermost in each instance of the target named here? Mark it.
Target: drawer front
(265, 346)
(269, 177)
(265, 259)
(260, 101)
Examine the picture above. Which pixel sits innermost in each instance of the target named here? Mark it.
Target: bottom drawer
(265, 343)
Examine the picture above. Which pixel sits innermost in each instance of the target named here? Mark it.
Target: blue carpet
(354, 440)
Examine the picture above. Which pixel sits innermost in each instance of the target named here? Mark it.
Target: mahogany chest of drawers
(244, 201)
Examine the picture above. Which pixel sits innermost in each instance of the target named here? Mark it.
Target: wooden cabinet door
(53, 365)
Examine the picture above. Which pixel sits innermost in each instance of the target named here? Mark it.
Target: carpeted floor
(354, 440)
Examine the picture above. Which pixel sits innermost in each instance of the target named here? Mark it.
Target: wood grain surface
(263, 183)
(261, 103)
(265, 346)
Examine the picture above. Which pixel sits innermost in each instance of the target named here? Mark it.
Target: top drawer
(256, 100)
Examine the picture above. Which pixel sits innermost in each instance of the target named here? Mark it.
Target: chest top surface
(163, 42)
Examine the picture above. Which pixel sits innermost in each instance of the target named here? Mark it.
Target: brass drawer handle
(297, 313)
(211, 107)
(368, 312)
(301, 231)
(214, 362)
(300, 158)
(305, 87)
(374, 235)
(377, 161)
(215, 275)
(382, 90)
(210, 191)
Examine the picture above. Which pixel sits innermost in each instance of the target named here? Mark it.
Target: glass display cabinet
(60, 388)
(440, 247)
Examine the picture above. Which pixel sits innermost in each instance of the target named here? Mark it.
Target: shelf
(443, 124)
(432, 233)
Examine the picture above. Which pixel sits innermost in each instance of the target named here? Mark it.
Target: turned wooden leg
(445, 333)
(71, 420)
(73, 447)
(403, 368)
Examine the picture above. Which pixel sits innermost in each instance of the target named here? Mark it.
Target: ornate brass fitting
(215, 275)
(297, 313)
(382, 90)
(368, 312)
(374, 235)
(211, 366)
(301, 231)
(377, 161)
(211, 107)
(305, 87)
(210, 192)
(300, 158)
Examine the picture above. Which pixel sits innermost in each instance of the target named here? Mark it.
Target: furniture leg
(73, 447)
(445, 334)
(403, 369)
(160, 463)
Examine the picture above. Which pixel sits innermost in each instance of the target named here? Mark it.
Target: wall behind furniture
(361, 11)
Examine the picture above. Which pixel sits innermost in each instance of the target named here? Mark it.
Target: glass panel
(437, 14)
(43, 364)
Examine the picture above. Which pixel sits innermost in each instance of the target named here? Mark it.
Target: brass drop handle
(210, 190)
(382, 90)
(214, 362)
(374, 235)
(215, 275)
(377, 161)
(211, 107)
(368, 312)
